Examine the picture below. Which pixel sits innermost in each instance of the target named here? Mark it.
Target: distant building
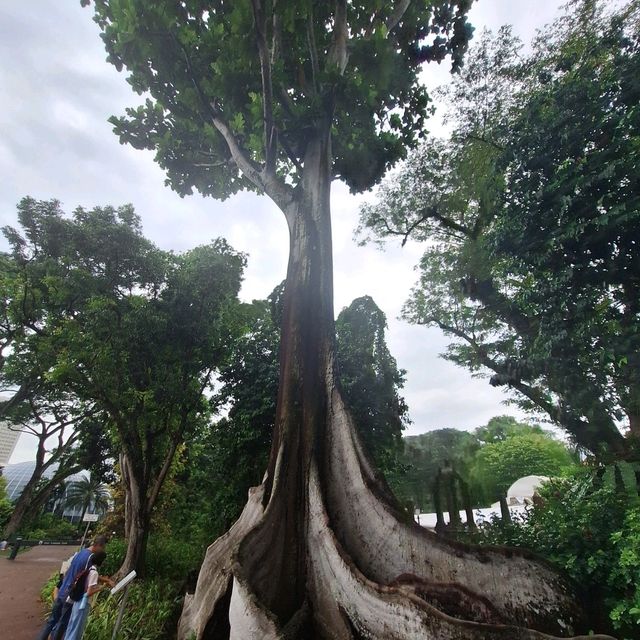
(17, 475)
(8, 440)
(519, 497)
(522, 491)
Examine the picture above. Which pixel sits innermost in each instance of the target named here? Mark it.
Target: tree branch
(568, 419)
(338, 54)
(399, 10)
(429, 213)
(270, 133)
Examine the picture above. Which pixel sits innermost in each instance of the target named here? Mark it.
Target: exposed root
(384, 545)
(248, 618)
(215, 576)
(453, 599)
(384, 612)
(367, 573)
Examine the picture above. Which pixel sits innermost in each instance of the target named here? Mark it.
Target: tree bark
(322, 550)
(136, 519)
(18, 514)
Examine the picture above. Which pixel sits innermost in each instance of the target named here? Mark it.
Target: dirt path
(21, 612)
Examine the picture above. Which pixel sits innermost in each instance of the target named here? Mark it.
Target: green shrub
(116, 551)
(50, 526)
(625, 574)
(151, 612)
(46, 593)
(167, 558)
(591, 531)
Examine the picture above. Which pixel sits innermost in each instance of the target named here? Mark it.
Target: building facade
(8, 440)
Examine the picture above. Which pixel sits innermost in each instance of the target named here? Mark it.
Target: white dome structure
(523, 489)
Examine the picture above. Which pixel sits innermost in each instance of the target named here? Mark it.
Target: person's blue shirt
(78, 565)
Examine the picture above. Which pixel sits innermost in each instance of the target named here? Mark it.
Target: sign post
(88, 518)
(123, 584)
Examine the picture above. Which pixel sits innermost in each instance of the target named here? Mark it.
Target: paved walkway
(21, 612)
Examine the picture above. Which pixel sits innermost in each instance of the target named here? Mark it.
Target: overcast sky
(57, 91)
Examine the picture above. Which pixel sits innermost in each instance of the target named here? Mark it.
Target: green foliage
(498, 465)
(168, 557)
(49, 526)
(499, 428)
(371, 381)
(131, 333)
(87, 492)
(154, 603)
(625, 574)
(269, 76)
(46, 593)
(591, 530)
(530, 209)
(152, 608)
(489, 459)
(421, 459)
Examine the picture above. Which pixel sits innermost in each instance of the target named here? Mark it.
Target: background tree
(282, 98)
(5, 504)
(149, 360)
(499, 428)
(59, 422)
(529, 208)
(129, 331)
(497, 465)
(489, 459)
(371, 381)
(423, 455)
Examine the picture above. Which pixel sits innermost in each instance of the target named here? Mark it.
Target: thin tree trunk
(504, 510)
(137, 518)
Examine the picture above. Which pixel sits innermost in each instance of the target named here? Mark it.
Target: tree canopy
(498, 465)
(229, 112)
(530, 208)
(130, 333)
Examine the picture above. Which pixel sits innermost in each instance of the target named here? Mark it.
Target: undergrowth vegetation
(591, 529)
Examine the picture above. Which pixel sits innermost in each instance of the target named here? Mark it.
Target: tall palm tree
(86, 492)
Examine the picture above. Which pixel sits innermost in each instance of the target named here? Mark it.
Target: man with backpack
(81, 594)
(56, 624)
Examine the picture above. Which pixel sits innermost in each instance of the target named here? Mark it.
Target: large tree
(130, 332)
(282, 98)
(531, 208)
(68, 438)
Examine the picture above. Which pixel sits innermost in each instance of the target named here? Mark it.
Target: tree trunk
(17, 517)
(24, 504)
(505, 514)
(136, 519)
(322, 550)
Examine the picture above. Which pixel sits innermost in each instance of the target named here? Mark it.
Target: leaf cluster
(529, 211)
